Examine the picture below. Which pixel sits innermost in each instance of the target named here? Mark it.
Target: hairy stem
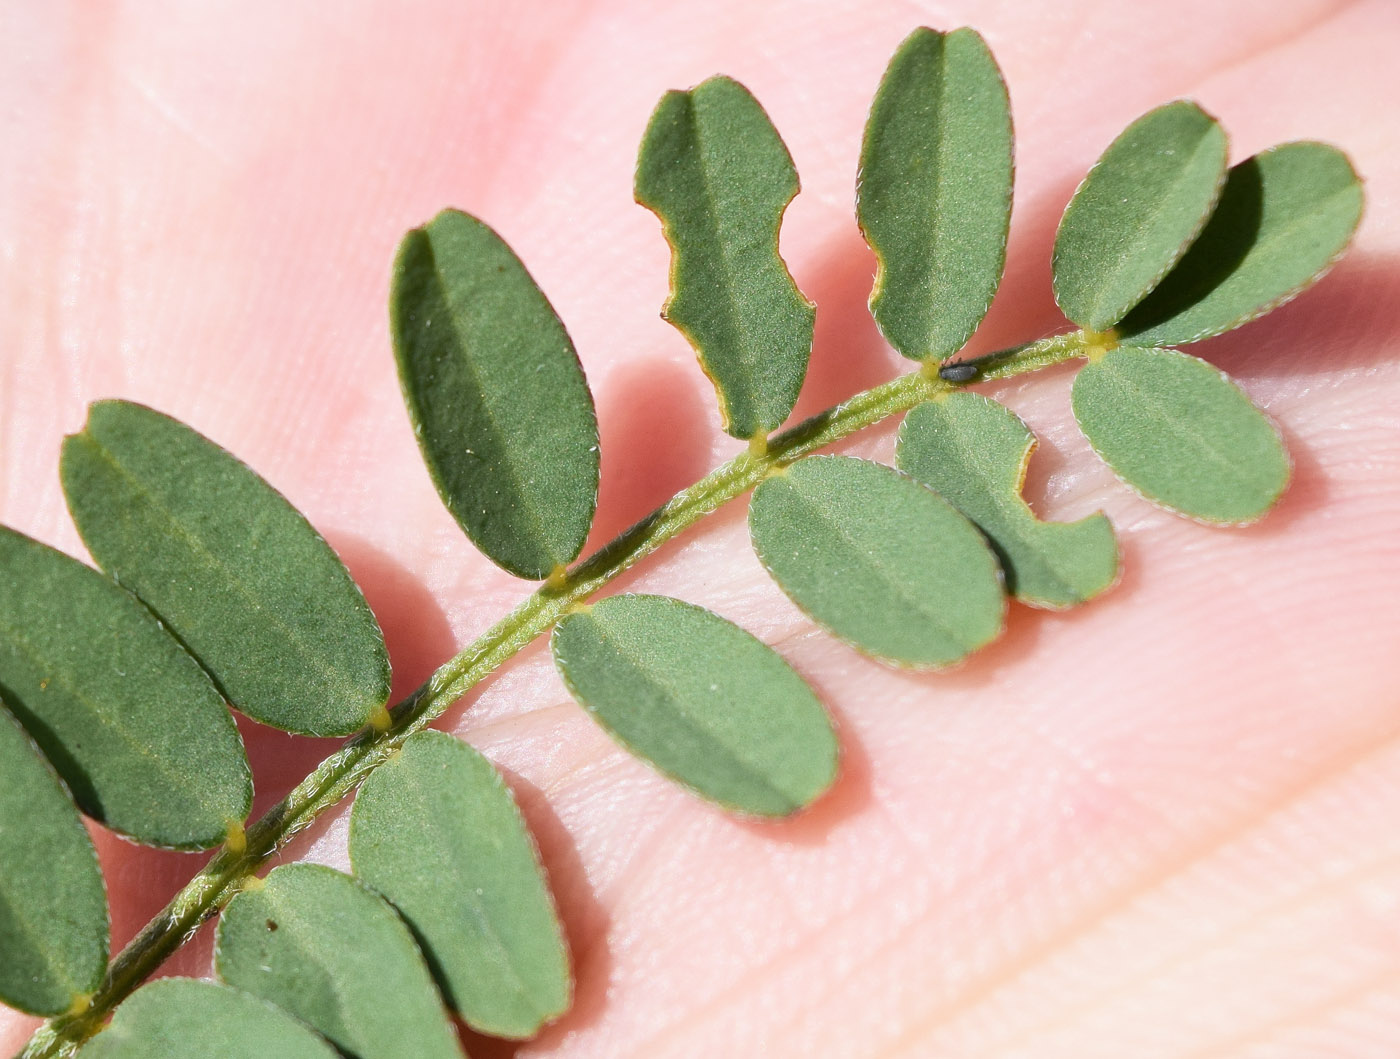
(340, 773)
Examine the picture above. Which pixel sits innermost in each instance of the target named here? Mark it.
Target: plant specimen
(214, 590)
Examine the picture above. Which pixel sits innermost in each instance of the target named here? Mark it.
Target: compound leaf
(1136, 212)
(124, 714)
(934, 192)
(496, 395)
(176, 1018)
(436, 831)
(1284, 217)
(701, 699)
(230, 566)
(973, 452)
(884, 563)
(328, 950)
(715, 171)
(1181, 433)
(53, 907)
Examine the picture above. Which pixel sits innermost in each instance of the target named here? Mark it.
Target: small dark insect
(957, 372)
(271, 924)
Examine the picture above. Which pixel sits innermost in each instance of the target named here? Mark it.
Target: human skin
(1162, 825)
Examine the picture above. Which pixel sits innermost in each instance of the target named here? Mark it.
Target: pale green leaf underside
(178, 1018)
(124, 714)
(436, 831)
(1181, 433)
(701, 699)
(1284, 217)
(496, 395)
(934, 192)
(53, 907)
(326, 949)
(715, 171)
(236, 572)
(973, 452)
(878, 559)
(1136, 212)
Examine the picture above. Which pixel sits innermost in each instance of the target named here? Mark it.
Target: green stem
(340, 773)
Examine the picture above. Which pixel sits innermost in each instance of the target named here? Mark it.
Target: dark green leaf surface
(437, 832)
(1284, 217)
(124, 714)
(883, 562)
(232, 568)
(180, 1018)
(53, 908)
(934, 192)
(974, 452)
(328, 950)
(1181, 433)
(715, 171)
(701, 699)
(1136, 212)
(496, 395)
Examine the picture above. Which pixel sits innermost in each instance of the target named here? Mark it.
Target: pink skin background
(1166, 825)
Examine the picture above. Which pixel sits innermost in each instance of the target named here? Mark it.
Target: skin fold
(1160, 826)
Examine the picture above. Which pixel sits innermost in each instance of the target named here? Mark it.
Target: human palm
(1162, 825)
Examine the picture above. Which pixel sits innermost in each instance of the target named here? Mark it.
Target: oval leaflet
(436, 831)
(53, 906)
(328, 950)
(176, 1018)
(496, 395)
(234, 570)
(934, 192)
(1284, 216)
(127, 718)
(1180, 432)
(884, 563)
(700, 699)
(1136, 212)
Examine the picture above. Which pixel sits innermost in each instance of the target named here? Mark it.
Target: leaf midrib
(331, 676)
(499, 951)
(58, 675)
(710, 226)
(502, 438)
(1132, 248)
(36, 938)
(1145, 400)
(667, 689)
(857, 550)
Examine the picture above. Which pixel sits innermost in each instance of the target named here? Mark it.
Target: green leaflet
(1181, 433)
(934, 192)
(715, 171)
(233, 569)
(884, 563)
(53, 907)
(1136, 212)
(1284, 217)
(325, 948)
(178, 1018)
(436, 831)
(701, 699)
(496, 395)
(127, 718)
(974, 452)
